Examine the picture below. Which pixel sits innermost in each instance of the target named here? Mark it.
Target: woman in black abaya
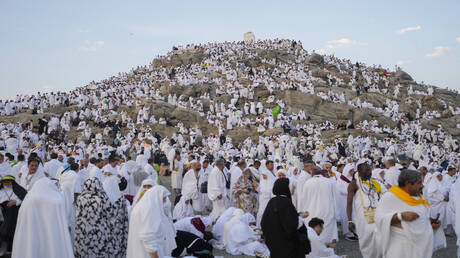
(280, 225)
(11, 196)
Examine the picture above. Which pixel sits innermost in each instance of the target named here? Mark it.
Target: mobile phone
(437, 218)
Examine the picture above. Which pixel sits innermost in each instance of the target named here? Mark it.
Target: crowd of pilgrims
(286, 195)
(224, 67)
(99, 200)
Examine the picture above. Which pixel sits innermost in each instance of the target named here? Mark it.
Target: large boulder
(181, 57)
(448, 124)
(452, 98)
(186, 116)
(195, 91)
(275, 54)
(319, 73)
(376, 99)
(261, 93)
(446, 113)
(286, 57)
(274, 131)
(368, 114)
(163, 130)
(161, 109)
(240, 134)
(431, 103)
(402, 76)
(296, 101)
(334, 112)
(315, 59)
(330, 136)
(252, 62)
(332, 68)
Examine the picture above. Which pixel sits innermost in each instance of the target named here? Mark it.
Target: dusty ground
(344, 247)
(352, 250)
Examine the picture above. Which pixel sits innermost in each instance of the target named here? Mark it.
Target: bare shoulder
(352, 187)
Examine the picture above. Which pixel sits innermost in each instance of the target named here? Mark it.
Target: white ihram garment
(42, 230)
(414, 240)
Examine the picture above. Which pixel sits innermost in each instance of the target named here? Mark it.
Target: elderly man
(51, 167)
(236, 173)
(305, 174)
(190, 189)
(403, 218)
(318, 199)
(218, 190)
(391, 172)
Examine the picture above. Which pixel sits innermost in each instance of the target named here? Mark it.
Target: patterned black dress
(101, 227)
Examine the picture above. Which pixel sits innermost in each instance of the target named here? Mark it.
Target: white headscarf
(281, 170)
(111, 188)
(43, 211)
(290, 173)
(346, 170)
(67, 189)
(182, 210)
(376, 173)
(240, 233)
(152, 225)
(218, 228)
(247, 218)
(148, 213)
(435, 185)
(167, 225)
(236, 215)
(147, 181)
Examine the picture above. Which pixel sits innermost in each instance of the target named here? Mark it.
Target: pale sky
(59, 45)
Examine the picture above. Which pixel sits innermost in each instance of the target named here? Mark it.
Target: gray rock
(240, 134)
(316, 108)
(403, 76)
(431, 103)
(446, 113)
(315, 59)
(296, 101)
(362, 114)
(332, 68)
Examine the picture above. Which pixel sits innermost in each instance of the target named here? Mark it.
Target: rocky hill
(324, 73)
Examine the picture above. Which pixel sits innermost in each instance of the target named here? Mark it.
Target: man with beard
(403, 218)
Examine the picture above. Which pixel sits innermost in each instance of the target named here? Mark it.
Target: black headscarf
(281, 187)
(280, 223)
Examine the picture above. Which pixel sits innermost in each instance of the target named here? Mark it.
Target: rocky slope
(318, 109)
